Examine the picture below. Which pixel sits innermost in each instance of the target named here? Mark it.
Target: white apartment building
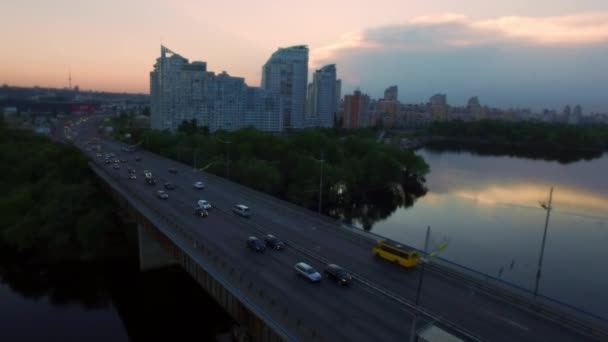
(180, 91)
(286, 74)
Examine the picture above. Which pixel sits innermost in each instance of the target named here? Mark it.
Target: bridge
(270, 303)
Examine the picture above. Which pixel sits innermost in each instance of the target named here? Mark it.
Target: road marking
(504, 319)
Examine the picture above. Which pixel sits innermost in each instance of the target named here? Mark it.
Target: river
(111, 302)
(487, 210)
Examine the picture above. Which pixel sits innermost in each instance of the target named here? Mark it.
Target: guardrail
(234, 280)
(514, 294)
(501, 290)
(577, 319)
(421, 311)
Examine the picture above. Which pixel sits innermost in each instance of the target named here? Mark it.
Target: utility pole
(420, 278)
(321, 185)
(547, 206)
(227, 142)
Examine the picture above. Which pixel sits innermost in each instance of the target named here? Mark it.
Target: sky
(517, 53)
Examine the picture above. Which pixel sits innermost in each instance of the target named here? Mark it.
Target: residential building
(438, 107)
(390, 93)
(356, 111)
(286, 74)
(322, 96)
(180, 91)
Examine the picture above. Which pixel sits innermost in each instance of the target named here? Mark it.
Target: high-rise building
(390, 93)
(322, 95)
(338, 92)
(475, 108)
(286, 74)
(180, 91)
(356, 111)
(439, 107)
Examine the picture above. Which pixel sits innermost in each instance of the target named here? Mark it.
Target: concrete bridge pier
(151, 254)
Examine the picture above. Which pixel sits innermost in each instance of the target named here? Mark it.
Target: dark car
(122, 160)
(202, 212)
(150, 181)
(131, 171)
(108, 161)
(338, 274)
(273, 242)
(169, 186)
(138, 158)
(255, 244)
(172, 170)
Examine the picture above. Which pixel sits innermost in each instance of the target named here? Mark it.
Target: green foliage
(50, 206)
(290, 166)
(534, 134)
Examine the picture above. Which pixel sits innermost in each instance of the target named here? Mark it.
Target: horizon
(498, 53)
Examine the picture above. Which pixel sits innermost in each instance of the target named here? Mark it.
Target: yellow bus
(396, 252)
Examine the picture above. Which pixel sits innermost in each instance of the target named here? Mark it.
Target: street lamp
(228, 142)
(548, 207)
(425, 259)
(322, 160)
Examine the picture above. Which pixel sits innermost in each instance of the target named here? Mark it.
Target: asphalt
(357, 313)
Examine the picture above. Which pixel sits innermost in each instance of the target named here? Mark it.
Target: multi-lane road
(369, 310)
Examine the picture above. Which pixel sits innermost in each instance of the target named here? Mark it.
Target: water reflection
(559, 155)
(488, 208)
(529, 195)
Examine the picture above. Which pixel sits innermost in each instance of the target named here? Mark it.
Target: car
(116, 166)
(122, 160)
(138, 158)
(305, 270)
(172, 170)
(162, 194)
(132, 176)
(203, 204)
(108, 161)
(199, 185)
(145, 172)
(131, 170)
(338, 274)
(273, 242)
(169, 186)
(202, 212)
(241, 210)
(116, 161)
(255, 244)
(150, 181)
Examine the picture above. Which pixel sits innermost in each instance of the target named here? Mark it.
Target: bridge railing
(263, 301)
(548, 307)
(551, 308)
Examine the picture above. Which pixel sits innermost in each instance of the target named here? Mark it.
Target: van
(241, 210)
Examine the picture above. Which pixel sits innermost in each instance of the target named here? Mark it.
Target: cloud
(537, 62)
(457, 30)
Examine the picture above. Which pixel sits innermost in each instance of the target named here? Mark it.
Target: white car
(308, 272)
(203, 204)
(199, 185)
(162, 195)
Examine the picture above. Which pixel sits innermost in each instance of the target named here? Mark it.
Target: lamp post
(321, 184)
(547, 206)
(425, 259)
(227, 142)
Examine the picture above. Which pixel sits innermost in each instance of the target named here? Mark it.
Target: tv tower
(70, 79)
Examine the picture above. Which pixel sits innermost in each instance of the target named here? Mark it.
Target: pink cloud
(457, 31)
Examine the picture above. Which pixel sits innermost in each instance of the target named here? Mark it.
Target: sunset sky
(541, 53)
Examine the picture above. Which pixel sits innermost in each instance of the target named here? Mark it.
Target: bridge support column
(151, 254)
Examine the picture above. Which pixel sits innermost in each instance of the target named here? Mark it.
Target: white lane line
(509, 321)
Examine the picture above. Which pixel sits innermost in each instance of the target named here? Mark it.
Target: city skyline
(499, 53)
